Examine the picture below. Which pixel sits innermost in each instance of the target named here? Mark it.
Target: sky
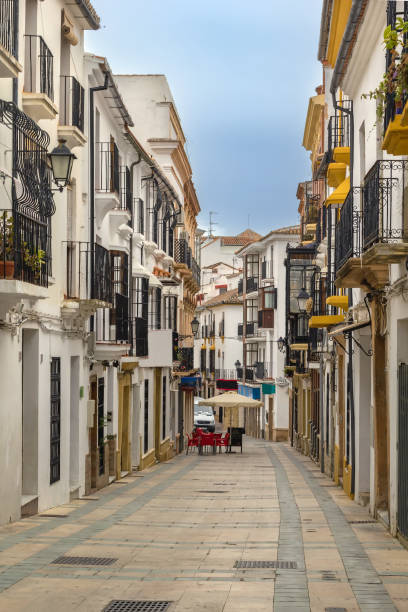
(241, 74)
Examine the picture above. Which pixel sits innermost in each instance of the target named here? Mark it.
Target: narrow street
(175, 533)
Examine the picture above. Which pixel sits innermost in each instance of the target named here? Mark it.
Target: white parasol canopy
(231, 399)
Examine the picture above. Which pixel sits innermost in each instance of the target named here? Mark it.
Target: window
(170, 312)
(146, 415)
(251, 349)
(252, 266)
(251, 310)
(164, 399)
(55, 425)
(212, 360)
(203, 359)
(268, 298)
(155, 308)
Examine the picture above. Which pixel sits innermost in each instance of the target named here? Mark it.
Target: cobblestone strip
(38, 530)
(25, 568)
(291, 590)
(366, 584)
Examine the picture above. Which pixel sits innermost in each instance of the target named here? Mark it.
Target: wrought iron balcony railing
(319, 293)
(249, 373)
(107, 167)
(25, 248)
(195, 268)
(348, 230)
(72, 102)
(114, 326)
(187, 358)
(251, 329)
(38, 66)
(262, 370)
(338, 129)
(78, 272)
(9, 25)
(226, 374)
(384, 203)
(182, 252)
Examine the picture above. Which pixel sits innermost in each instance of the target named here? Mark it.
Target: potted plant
(289, 371)
(395, 80)
(34, 261)
(6, 246)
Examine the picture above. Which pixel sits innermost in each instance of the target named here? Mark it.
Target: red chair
(192, 441)
(206, 439)
(223, 441)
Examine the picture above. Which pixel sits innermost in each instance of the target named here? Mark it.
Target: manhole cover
(367, 522)
(271, 564)
(212, 491)
(84, 561)
(127, 605)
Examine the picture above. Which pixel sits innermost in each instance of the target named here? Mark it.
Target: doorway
(30, 389)
(74, 424)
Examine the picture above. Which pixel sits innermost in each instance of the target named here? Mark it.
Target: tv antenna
(212, 223)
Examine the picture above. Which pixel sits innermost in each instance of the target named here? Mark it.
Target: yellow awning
(299, 347)
(325, 321)
(339, 195)
(338, 301)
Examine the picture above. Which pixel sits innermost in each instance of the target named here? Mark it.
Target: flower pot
(7, 269)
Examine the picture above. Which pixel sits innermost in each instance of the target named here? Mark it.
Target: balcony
(249, 373)
(9, 66)
(186, 264)
(107, 179)
(25, 247)
(338, 145)
(385, 227)
(350, 266)
(251, 329)
(251, 284)
(71, 116)
(112, 332)
(266, 270)
(38, 94)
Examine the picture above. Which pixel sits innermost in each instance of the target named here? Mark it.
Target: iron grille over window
(101, 424)
(121, 318)
(348, 230)
(55, 422)
(72, 103)
(9, 25)
(39, 66)
(102, 289)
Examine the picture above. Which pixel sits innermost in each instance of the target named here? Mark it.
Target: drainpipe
(353, 23)
(130, 285)
(92, 91)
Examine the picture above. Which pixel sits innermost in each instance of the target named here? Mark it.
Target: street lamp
(282, 344)
(302, 299)
(61, 160)
(195, 324)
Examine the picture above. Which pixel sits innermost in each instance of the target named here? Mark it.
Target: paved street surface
(176, 531)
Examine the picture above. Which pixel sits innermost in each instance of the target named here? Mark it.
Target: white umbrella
(232, 400)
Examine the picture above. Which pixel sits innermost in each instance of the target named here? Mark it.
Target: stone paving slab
(173, 542)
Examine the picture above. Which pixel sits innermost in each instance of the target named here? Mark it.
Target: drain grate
(366, 522)
(329, 575)
(128, 605)
(270, 564)
(212, 491)
(335, 610)
(84, 561)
